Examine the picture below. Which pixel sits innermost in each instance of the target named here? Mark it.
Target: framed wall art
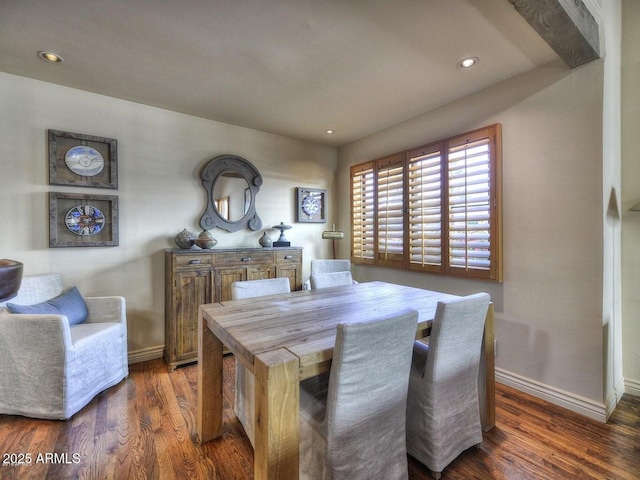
(312, 205)
(82, 220)
(82, 160)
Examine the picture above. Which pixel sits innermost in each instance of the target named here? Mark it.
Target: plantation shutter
(469, 204)
(425, 209)
(390, 211)
(362, 220)
(433, 209)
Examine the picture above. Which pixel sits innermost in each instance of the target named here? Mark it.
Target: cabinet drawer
(289, 257)
(193, 260)
(243, 258)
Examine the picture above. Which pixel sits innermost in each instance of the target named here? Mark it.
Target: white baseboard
(575, 403)
(632, 387)
(614, 396)
(145, 354)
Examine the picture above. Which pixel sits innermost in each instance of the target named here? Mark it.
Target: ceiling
(290, 67)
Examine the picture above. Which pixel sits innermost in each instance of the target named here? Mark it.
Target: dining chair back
(319, 265)
(259, 288)
(443, 410)
(333, 279)
(352, 419)
(243, 406)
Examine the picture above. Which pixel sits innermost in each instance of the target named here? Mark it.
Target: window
(362, 192)
(434, 209)
(390, 211)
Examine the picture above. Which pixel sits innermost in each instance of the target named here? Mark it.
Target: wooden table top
(304, 322)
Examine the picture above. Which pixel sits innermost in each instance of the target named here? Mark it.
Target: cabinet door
(291, 272)
(224, 278)
(289, 265)
(261, 272)
(193, 288)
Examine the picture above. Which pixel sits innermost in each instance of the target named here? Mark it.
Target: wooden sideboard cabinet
(195, 277)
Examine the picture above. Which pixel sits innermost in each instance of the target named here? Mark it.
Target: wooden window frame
(488, 249)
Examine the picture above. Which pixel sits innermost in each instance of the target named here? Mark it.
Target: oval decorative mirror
(232, 184)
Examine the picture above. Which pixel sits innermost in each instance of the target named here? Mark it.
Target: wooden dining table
(288, 337)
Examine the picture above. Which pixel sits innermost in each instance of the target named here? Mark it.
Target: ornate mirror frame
(243, 168)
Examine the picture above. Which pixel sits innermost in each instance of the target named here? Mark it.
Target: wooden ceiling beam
(566, 25)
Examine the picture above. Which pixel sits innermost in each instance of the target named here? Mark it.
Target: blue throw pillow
(69, 303)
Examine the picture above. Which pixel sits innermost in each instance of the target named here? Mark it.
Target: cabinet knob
(246, 259)
(288, 257)
(194, 262)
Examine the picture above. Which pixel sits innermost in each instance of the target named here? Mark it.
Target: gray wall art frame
(77, 220)
(80, 160)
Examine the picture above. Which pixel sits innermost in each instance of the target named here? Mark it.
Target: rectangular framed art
(82, 220)
(82, 160)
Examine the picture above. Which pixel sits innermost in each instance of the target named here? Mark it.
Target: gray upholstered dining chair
(333, 279)
(243, 406)
(352, 419)
(320, 265)
(443, 410)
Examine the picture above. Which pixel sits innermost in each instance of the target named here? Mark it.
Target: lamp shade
(10, 278)
(332, 235)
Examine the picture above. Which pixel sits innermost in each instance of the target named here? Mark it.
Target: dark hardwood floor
(144, 428)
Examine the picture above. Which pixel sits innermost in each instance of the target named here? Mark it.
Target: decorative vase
(265, 240)
(205, 240)
(185, 239)
(10, 278)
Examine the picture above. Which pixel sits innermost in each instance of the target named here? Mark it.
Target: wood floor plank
(144, 428)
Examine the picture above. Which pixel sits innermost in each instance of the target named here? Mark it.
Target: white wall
(631, 194)
(160, 154)
(548, 320)
(553, 310)
(610, 28)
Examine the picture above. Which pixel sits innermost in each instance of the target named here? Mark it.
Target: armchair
(51, 369)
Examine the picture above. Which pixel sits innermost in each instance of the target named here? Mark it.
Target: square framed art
(312, 205)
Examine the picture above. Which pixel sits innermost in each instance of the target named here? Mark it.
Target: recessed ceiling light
(50, 57)
(329, 132)
(468, 62)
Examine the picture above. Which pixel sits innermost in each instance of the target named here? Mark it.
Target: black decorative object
(282, 241)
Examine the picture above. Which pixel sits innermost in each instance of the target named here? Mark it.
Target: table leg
(277, 415)
(487, 376)
(209, 383)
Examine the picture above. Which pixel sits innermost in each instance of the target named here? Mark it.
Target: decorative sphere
(185, 239)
